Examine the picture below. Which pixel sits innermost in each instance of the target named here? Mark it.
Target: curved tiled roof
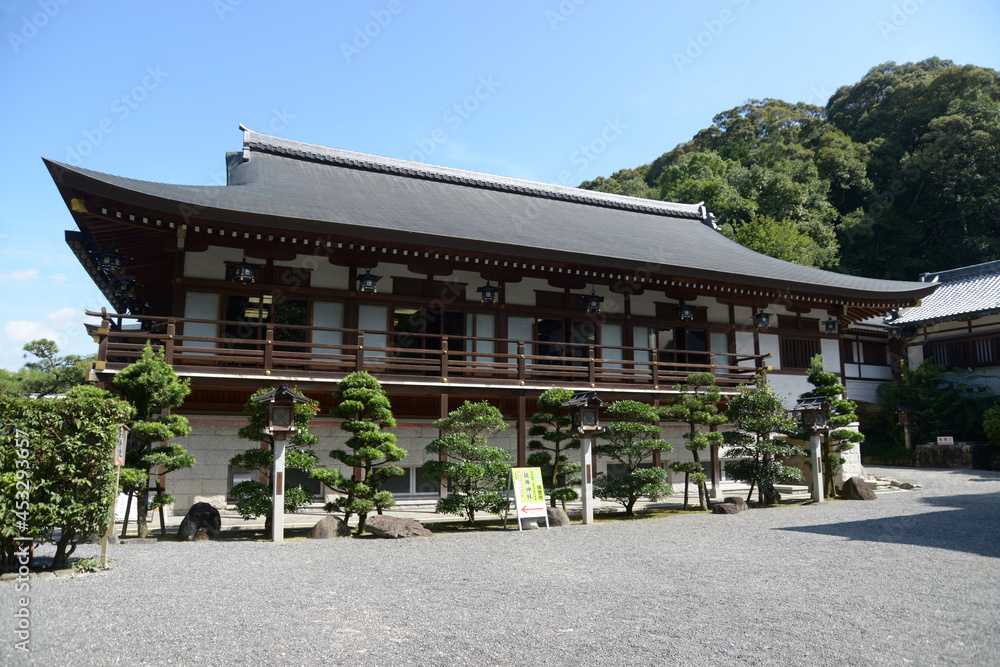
(288, 185)
(970, 291)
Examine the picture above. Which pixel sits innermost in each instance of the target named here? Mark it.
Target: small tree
(631, 437)
(758, 413)
(365, 411)
(552, 425)
(255, 498)
(152, 387)
(476, 472)
(991, 424)
(694, 406)
(838, 438)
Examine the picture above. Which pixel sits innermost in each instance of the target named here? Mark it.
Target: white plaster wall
(769, 344)
(830, 349)
(523, 293)
(876, 372)
(644, 305)
(788, 387)
(717, 312)
(210, 264)
(863, 390)
(914, 356)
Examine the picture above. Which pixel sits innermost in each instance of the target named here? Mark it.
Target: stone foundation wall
(961, 455)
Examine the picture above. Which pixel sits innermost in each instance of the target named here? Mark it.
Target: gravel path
(911, 578)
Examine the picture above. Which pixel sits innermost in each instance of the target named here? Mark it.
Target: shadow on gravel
(969, 525)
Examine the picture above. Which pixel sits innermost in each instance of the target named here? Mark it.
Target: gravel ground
(911, 578)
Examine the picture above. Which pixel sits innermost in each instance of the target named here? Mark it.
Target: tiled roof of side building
(287, 185)
(961, 293)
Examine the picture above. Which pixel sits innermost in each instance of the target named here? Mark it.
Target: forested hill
(899, 174)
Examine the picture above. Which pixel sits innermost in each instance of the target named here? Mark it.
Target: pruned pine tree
(152, 387)
(838, 438)
(256, 498)
(758, 414)
(476, 472)
(364, 410)
(550, 427)
(631, 441)
(696, 405)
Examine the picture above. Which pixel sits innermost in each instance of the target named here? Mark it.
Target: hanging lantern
(488, 293)
(110, 261)
(594, 302)
(685, 312)
(367, 282)
(762, 320)
(895, 333)
(137, 308)
(125, 289)
(830, 325)
(243, 272)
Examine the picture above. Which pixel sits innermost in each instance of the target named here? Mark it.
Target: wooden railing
(399, 357)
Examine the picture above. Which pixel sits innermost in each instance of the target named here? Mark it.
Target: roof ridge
(287, 147)
(962, 272)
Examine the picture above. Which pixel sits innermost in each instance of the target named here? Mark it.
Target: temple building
(446, 285)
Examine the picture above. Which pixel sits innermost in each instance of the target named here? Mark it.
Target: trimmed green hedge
(56, 471)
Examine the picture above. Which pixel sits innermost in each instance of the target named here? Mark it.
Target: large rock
(771, 495)
(202, 522)
(741, 504)
(394, 527)
(726, 508)
(557, 518)
(329, 527)
(856, 488)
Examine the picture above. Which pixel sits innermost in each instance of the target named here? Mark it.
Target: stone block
(393, 527)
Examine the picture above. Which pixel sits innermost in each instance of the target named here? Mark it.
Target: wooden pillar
(522, 430)
(443, 456)
(715, 469)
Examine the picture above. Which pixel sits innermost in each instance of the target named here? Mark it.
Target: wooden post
(359, 354)
(655, 357)
(520, 362)
(168, 347)
(591, 366)
(443, 456)
(444, 362)
(268, 348)
(522, 428)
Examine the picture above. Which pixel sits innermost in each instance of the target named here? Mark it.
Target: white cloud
(64, 326)
(28, 275)
(58, 278)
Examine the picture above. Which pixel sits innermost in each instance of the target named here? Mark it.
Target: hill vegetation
(897, 175)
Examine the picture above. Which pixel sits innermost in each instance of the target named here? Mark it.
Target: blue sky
(553, 91)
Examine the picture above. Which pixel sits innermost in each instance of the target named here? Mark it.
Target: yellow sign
(529, 492)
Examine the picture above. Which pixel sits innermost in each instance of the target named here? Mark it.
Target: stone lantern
(811, 413)
(280, 424)
(586, 416)
(905, 415)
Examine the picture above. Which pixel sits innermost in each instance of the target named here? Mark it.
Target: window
(874, 353)
(293, 477)
(411, 482)
(797, 352)
(966, 353)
